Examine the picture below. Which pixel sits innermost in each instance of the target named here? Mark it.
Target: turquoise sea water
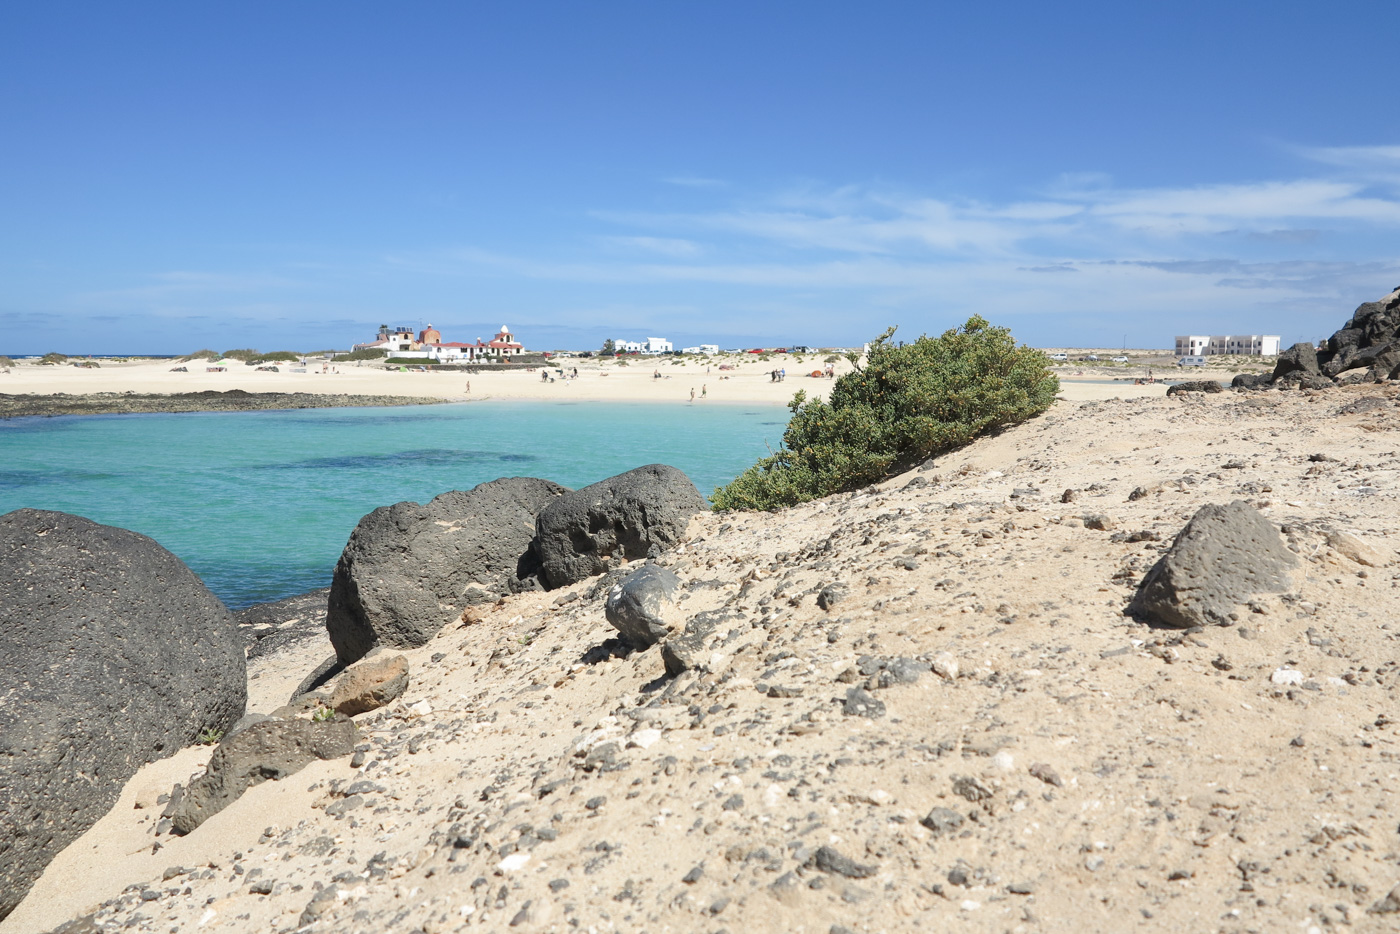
(260, 504)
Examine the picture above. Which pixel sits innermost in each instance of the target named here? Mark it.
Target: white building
(706, 349)
(652, 345)
(1197, 345)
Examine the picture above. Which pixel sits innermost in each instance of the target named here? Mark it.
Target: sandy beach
(646, 379)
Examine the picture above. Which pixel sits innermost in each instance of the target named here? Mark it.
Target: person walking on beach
(705, 388)
(692, 395)
(469, 386)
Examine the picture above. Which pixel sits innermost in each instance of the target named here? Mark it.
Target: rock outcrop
(1223, 558)
(115, 654)
(1367, 349)
(410, 568)
(269, 749)
(634, 515)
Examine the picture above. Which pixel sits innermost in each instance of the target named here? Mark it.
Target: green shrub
(50, 359)
(199, 355)
(363, 354)
(907, 404)
(277, 356)
(243, 355)
(6, 362)
(210, 736)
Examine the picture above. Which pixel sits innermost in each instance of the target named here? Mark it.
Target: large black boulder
(636, 514)
(409, 569)
(1300, 359)
(114, 655)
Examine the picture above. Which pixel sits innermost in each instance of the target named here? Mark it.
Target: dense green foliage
(199, 355)
(362, 354)
(244, 355)
(907, 403)
(609, 347)
(50, 359)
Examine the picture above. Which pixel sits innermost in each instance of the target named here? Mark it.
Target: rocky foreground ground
(968, 731)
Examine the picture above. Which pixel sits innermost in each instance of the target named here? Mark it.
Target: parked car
(1120, 359)
(1061, 357)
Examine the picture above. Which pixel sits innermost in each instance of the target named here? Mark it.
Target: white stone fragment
(644, 739)
(945, 666)
(1286, 676)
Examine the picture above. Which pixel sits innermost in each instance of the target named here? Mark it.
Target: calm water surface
(260, 504)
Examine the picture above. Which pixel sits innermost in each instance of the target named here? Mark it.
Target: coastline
(146, 386)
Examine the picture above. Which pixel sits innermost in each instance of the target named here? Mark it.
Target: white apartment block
(1199, 345)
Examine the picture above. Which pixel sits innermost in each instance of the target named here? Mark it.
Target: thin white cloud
(666, 246)
(694, 181)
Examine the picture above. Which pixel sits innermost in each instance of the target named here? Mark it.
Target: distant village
(429, 345)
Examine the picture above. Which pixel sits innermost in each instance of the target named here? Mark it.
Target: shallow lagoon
(260, 504)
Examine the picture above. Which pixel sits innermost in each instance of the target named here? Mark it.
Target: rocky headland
(233, 400)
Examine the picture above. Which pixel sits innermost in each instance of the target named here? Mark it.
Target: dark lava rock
(271, 749)
(830, 595)
(1223, 557)
(115, 654)
(642, 606)
(208, 400)
(1299, 359)
(828, 859)
(410, 569)
(271, 627)
(634, 515)
(942, 820)
(688, 651)
(861, 703)
(1195, 385)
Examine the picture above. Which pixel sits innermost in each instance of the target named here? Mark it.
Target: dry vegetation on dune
(965, 729)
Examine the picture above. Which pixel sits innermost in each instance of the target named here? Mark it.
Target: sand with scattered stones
(1097, 774)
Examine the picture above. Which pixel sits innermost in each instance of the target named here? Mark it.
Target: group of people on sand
(777, 376)
(704, 391)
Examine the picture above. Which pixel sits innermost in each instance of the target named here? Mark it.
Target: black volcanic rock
(1369, 342)
(409, 569)
(115, 654)
(633, 515)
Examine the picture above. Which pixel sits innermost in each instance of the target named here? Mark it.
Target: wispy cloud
(694, 181)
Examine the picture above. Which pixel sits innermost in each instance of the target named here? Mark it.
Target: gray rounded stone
(642, 607)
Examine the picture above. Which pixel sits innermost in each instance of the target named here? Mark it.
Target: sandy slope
(1130, 778)
(609, 381)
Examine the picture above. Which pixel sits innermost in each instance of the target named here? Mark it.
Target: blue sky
(275, 175)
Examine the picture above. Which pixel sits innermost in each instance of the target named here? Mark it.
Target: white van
(1191, 361)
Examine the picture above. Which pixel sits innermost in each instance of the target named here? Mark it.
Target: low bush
(6, 362)
(52, 359)
(243, 355)
(199, 355)
(908, 403)
(355, 355)
(277, 356)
